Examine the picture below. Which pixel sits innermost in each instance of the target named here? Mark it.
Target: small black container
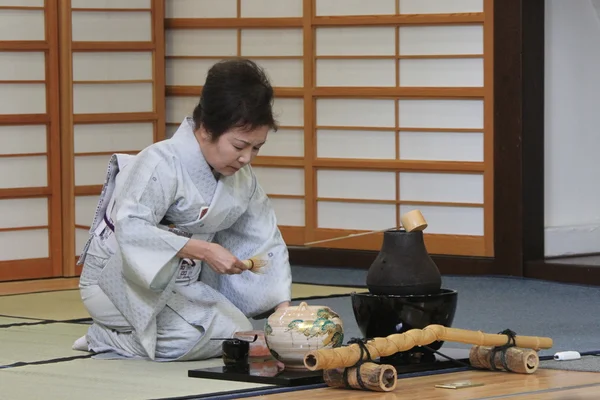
(235, 353)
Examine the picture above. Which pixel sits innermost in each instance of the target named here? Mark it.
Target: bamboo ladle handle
(411, 221)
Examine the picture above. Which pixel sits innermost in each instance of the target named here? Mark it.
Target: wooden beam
(519, 134)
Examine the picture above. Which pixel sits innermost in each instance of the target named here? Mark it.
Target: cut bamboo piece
(374, 377)
(519, 360)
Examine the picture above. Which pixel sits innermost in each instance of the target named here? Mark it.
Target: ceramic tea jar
(293, 331)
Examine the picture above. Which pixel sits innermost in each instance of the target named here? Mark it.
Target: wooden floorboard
(544, 384)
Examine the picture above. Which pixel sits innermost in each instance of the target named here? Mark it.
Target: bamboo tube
(348, 356)
(521, 361)
(375, 377)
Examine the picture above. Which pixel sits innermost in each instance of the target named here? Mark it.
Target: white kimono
(163, 298)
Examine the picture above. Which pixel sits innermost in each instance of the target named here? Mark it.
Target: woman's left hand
(283, 305)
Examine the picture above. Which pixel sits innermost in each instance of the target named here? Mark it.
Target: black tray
(284, 378)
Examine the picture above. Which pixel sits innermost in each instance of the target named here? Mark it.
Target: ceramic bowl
(293, 331)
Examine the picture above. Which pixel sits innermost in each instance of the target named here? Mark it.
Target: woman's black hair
(236, 94)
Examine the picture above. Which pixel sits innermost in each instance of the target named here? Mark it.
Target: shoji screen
(113, 77)
(198, 34)
(403, 120)
(30, 224)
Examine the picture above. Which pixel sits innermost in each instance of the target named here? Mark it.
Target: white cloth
(136, 267)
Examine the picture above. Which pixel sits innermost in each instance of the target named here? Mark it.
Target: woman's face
(233, 149)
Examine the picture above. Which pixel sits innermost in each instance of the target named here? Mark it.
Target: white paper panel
(110, 4)
(374, 185)
(22, 65)
(281, 42)
(23, 245)
(441, 146)
(284, 143)
(22, 25)
(444, 39)
(355, 144)
(90, 170)
(201, 42)
(17, 213)
(444, 72)
(170, 130)
(441, 113)
(355, 112)
(200, 8)
(185, 72)
(271, 8)
(453, 188)
(180, 107)
(113, 137)
(15, 139)
(102, 66)
(85, 208)
(81, 238)
(281, 180)
(112, 98)
(22, 98)
(190, 72)
(22, 3)
(289, 112)
(24, 172)
(440, 6)
(362, 216)
(289, 212)
(450, 220)
(355, 7)
(355, 41)
(284, 73)
(356, 73)
(116, 26)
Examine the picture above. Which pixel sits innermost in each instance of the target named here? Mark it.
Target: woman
(162, 270)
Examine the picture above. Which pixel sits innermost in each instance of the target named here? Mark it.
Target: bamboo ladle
(411, 221)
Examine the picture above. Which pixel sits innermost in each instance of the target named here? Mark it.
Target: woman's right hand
(222, 261)
(213, 254)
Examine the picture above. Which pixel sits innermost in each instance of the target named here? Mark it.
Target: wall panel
(113, 80)
(30, 197)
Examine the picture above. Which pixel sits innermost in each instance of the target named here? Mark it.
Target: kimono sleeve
(256, 233)
(148, 252)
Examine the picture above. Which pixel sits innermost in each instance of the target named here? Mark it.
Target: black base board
(563, 272)
(448, 265)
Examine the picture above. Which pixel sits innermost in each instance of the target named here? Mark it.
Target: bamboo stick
(348, 356)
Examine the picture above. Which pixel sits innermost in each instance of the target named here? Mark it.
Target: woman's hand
(222, 261)
(216, 256)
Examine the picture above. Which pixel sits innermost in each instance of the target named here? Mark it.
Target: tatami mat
(60, 305)
(39, 342)
(111, 379)
(67, 304)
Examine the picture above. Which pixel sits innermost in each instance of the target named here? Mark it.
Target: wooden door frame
(518, 154)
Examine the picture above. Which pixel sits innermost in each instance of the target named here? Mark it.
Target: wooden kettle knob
(413, 221)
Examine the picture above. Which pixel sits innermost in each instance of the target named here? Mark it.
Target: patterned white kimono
(174, 307)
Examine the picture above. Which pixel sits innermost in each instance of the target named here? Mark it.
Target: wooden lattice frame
(52, 265)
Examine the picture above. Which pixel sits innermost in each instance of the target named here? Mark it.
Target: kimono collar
(188, 148)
